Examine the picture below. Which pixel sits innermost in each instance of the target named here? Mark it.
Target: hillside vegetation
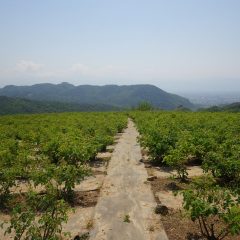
(118, 96)
(10, 105)
(233, 107)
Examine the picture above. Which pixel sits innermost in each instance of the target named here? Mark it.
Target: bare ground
(177, 224)
(86, 196)
(125, 209)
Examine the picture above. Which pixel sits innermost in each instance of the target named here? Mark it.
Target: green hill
(17, 105)
(118, 96)
(233, 107)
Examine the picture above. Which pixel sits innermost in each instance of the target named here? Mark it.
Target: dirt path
(125, 209)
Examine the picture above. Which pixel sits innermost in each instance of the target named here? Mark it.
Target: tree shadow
(194, 236)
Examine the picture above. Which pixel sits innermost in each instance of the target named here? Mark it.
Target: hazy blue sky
(178, 45)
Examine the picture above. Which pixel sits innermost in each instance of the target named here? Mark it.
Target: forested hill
(119, 96)
(17, 105)
(233, 107)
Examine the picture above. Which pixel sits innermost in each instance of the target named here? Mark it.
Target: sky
(177, 45)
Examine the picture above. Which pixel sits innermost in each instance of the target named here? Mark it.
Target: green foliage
(177, 139)
(7, 180)
(177, 160)
(66, 176)
(40, 218)
(126, 218)
(13, 105)
(210, 140)
(50, 151)
(233, 107)
(98, 96)
(224, 163)
(144, 106)
(216, 209)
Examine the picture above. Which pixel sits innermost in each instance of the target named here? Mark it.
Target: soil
(167, 184)
(179, 227)
(167, 172)
(177, 224)
(86, 198)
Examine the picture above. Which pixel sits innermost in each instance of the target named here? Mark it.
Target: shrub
(216, 209)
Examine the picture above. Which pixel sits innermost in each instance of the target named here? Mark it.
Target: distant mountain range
(109, 96)
(233, 107)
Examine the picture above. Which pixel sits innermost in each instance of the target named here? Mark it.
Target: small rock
(151, 178)
(161, 209)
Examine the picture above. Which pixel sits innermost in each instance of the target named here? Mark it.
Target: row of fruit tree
(50, 151)
(211, 140)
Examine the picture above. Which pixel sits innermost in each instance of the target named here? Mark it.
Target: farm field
(201, 151)
(121, 173)
(120, 120)
(43, 159)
